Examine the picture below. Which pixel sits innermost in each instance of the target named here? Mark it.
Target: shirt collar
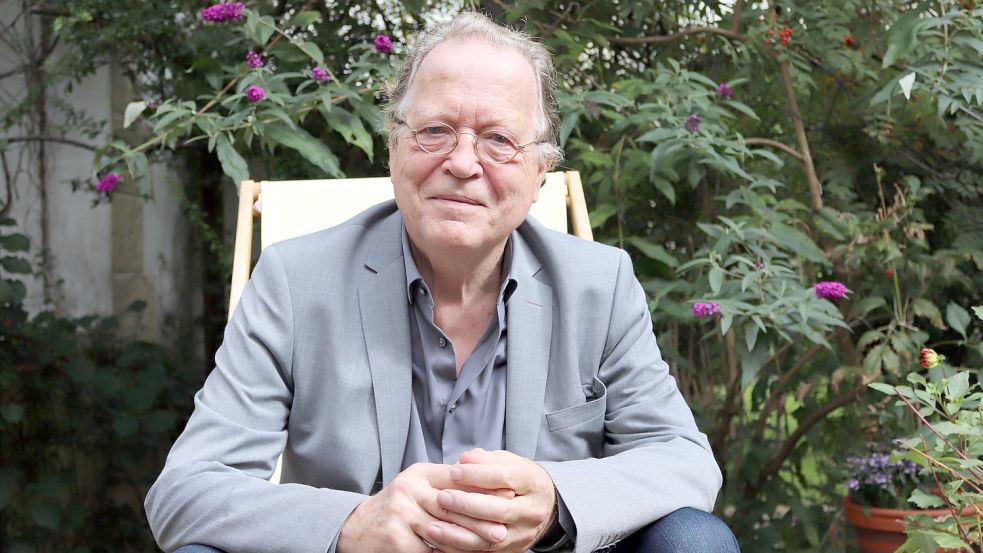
(414, 278)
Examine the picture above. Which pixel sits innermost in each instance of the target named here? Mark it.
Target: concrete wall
(100, 259)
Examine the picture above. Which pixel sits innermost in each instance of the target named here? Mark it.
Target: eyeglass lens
(438, 138)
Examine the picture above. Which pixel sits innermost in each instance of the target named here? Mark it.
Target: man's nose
(463, 161)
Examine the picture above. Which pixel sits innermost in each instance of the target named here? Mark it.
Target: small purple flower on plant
(853, 484)
(108, 183)
(830, 290)
(693, 123)
(255, 93)
(724, 91)
(383, 44)
(320, 75)
(223, 11)
(701, 310)
(253, 60)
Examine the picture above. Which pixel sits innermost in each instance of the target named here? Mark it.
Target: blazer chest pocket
(579, 414)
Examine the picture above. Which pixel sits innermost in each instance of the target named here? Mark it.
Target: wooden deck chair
(287, 209)
(294, 208)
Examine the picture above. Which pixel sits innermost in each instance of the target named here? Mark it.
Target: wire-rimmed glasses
(493, 146)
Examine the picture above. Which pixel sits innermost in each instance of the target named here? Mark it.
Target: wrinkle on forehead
(476, 82)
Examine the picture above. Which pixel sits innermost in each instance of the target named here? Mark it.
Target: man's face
(458, 201)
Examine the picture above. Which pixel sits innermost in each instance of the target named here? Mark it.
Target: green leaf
(600, 214)
(883, 388)
(15, 243)
(867, 305)
(132, 111)
(12, 412)
(233, 164)
(750, 336)
(310, 148)
(305, 18)
(15, 265)
(798, 242)
(653, 251)
(978, 310)
(957, 386)
(902, 37)
(716, 279)
(136, 164)
(313, 51)
(924, 500)
(46, 514)
(957, 317)
(927, 309)
(350, 127)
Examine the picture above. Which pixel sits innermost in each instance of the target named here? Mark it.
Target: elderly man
(443, 373)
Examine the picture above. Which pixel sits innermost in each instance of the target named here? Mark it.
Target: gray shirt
(452, 413)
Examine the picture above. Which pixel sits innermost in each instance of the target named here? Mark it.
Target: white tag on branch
(906, 83)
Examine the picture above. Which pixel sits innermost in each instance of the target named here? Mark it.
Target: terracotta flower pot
(882, 530)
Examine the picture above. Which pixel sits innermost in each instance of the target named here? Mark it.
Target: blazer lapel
(530, 326)
(385, 325)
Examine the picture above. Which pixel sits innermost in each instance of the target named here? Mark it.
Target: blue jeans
(683, 531)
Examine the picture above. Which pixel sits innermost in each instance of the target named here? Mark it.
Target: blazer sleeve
(655, 460)
(214, 488)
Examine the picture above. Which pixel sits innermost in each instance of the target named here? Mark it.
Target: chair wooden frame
(249, 194)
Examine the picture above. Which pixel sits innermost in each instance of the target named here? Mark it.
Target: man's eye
(498, 138)
(435, 130)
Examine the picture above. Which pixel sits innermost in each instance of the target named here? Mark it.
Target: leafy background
(817, 167)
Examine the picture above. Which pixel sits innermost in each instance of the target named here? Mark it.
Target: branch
(68, 141)
(735, 23)
(730, 401)
(804, 427)
(776, 393)
(774, 144)
(658, 39)
(815, 188)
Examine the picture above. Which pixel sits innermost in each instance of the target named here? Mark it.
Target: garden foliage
(799, 184)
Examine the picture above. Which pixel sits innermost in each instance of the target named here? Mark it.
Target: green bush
(87, 418)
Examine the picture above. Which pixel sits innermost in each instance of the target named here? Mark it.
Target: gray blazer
(316, 364)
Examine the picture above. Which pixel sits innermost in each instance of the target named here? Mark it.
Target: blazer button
(452, 408)
(441, 342)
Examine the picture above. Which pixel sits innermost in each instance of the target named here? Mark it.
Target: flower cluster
(692, 123)
(830, 290)
(383, 44)
(255, 93)
(701, 310)
(223, 11)
(875, 480)
(108, 183)
(848, 41)
(785, 35)
(254, 60)
(320, 75)
(724, 91)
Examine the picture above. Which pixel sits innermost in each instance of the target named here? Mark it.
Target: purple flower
(319, 74)
(255, 93)
(852, 484)
(701, 310)
(724, 90)
(693, 123)
(383, 44)
(223, 11)
(253, 60)
(830, 290)
(108, 183)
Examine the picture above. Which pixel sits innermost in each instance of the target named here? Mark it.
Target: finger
(488, 477)
(490, 531)
(450, 537)
(479, 506)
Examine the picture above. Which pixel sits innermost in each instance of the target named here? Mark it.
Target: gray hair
(476, 25)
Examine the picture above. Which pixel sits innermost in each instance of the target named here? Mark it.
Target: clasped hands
(489, 501)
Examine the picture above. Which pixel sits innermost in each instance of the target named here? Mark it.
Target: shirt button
(441, 342)
(421, 291)
(452, 408)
